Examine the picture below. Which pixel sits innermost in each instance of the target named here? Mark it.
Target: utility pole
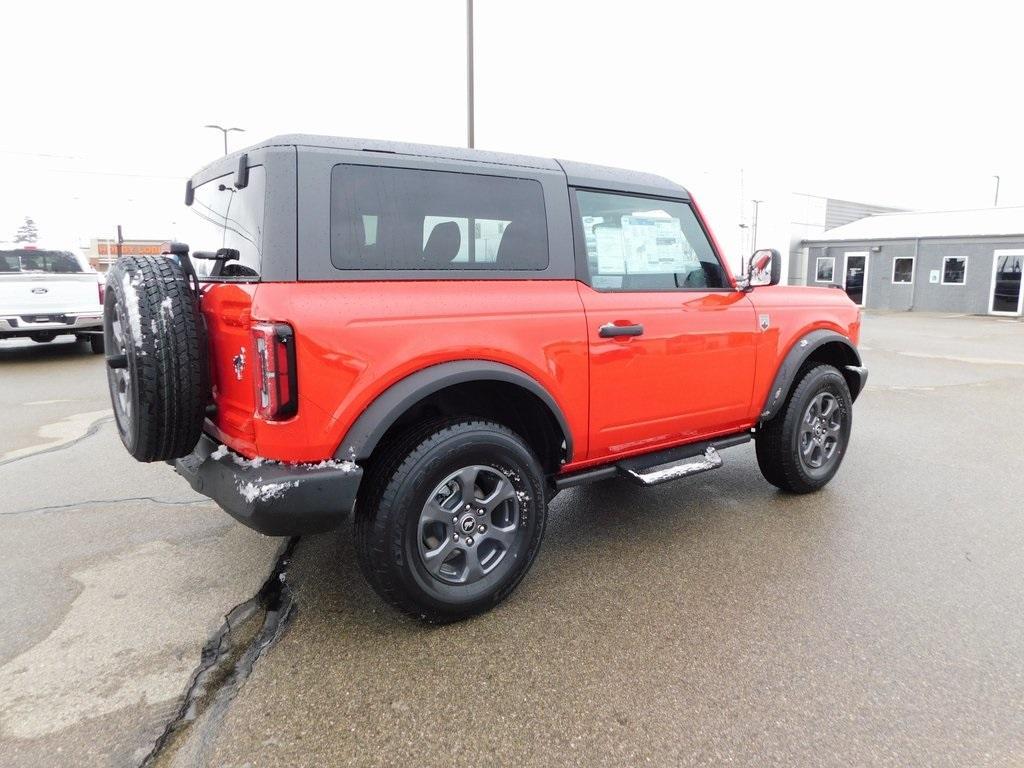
(225, 132)
(469, 73)
(996, 203)
(753, 237)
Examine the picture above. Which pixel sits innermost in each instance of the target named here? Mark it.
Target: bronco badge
(239, 363)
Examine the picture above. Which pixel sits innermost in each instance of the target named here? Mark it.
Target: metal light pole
(753, 237)
(469, 72)
(225, 132)
(996, 203)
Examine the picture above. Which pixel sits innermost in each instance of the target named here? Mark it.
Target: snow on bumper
(274, 499)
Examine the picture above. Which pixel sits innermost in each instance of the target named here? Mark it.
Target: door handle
(610, 330)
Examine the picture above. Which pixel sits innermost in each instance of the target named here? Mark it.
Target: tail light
(276, 382)
(102, 287)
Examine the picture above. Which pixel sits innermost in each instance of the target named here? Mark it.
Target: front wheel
(451, 519)
(801, 449)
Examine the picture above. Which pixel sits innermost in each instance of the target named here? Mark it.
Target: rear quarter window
(409, 219)
(222, 216)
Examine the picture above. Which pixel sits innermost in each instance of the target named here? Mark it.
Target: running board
(663, 473)
(660, 466)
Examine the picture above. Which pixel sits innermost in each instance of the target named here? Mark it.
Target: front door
(855, 277)
(671, 341)
(1006, 297)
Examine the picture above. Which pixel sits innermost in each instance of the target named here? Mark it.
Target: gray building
(935, 261)
(810, 216)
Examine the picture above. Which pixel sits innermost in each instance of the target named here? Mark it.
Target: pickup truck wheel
(801, 449)
(156, 363)
(96, 343)
(451, 519)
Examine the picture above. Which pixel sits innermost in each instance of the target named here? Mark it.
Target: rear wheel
(801, 449)
(96, 343)
(452, 518)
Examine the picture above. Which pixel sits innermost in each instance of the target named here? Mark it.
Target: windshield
(224, 217)
(33, 260)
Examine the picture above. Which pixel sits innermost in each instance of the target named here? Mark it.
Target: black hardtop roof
(578, 174)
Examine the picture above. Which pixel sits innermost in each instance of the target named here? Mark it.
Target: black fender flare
(364, 435)
(802, 349)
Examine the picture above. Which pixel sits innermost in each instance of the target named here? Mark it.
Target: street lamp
(225, 132)
(469, 74)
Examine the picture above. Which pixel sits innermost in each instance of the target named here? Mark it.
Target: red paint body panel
(702, 368)
(793, 312)
(688, 376)
(353, 340)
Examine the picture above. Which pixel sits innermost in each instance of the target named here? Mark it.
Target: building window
(903, 269)
(824, 270)
(954, 270)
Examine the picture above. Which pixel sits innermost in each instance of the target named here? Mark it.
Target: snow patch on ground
(220, 453)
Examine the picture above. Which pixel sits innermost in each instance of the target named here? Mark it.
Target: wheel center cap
(467, 523)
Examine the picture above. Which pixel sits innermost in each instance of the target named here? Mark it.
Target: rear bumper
(275, 499)
(59, 322)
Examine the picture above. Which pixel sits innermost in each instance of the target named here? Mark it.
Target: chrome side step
(661, 466)
(663, 473)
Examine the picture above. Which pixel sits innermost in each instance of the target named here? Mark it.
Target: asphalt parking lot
(709, 621)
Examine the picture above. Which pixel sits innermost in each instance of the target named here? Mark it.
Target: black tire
(153, 328)
(783, 444)
(389, 531)
(96, 343)
(43, 337)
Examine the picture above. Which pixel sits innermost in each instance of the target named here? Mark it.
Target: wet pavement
(713, 620)
(114, 574)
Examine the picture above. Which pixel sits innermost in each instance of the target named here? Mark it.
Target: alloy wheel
(469, 525)
(820, 431)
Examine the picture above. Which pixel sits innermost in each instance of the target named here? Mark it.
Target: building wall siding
(839, 212)
(970, 298)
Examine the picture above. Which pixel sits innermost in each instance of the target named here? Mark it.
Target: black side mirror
(765, 268)
(242, 174)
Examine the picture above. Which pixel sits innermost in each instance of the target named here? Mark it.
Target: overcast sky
(911, 105)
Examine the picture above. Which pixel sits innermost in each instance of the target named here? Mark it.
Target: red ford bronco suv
(432, 342)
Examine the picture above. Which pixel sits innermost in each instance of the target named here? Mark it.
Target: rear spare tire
(157, 370)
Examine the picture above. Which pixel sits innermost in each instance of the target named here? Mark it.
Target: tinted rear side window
(406, 219)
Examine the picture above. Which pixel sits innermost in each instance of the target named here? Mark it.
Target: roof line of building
(911, 238)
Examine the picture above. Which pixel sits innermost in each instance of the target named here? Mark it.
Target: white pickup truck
(49, 292)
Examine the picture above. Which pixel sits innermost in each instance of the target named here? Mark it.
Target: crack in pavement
(92, 429)
(225, 664)
(96, 502)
